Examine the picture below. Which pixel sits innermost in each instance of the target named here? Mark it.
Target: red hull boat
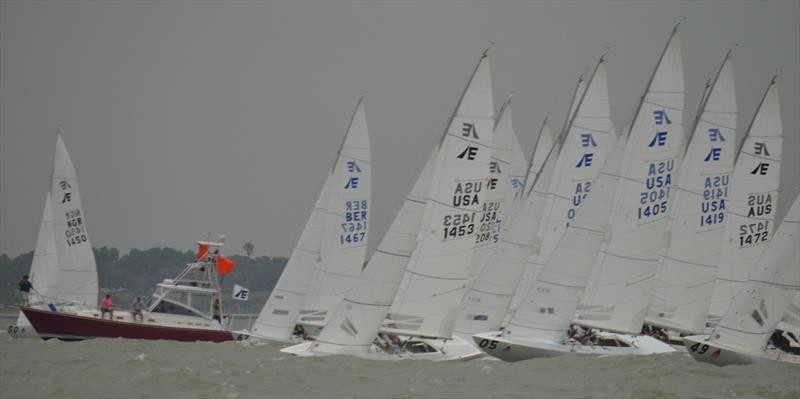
(64, 325)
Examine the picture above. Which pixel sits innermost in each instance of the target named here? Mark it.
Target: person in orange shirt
(107, 307)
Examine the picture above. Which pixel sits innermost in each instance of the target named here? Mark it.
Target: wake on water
(116, 368)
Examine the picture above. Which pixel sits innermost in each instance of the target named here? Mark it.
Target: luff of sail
(515, 188)
(44, 267)
(344, 241)
(621, 286)
(433, 284)
(688, 265)
(77, 271)
(763, 299)
(752, 204)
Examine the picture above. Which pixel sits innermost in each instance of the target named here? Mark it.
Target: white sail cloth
(77, 270)
(44, 268)
(763, 299)
(344, 241)
(752, 204)
(433, 284)
(688, 265)
(551, 303)
(621, 286)
(279, 315)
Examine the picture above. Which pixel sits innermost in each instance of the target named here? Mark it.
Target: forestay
(620, 290)
(433, 284)
(344, 241)
(688, 265)
(550, 305)
(77, 271)
(762, 300)
(753, 202)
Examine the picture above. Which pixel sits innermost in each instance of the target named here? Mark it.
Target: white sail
(617, 297)
(486, 301)
(77, 271)
(495, 205)
(583, 154)
(688, 265)
(550, 305)
(546, 191)
(355, 323)
(344, 241)
(44, 268)
(544, 145)
(752, 203)
(515, 188)
(791, 319)
(279, 315)
(433, 284)
(763, 299)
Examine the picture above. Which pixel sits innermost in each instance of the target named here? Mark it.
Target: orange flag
(202, 251)
(224, 265)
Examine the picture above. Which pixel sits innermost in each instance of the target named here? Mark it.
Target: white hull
(456, 349)
(514, 349)
(704, 350)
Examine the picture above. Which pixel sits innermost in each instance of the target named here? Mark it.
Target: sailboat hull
(707, 351)
(514, 349)
(74, 326)
(455, 349)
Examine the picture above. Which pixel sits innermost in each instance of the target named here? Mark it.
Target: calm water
(115, 368)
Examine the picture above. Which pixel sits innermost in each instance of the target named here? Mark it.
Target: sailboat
(741, 335)
(63, 272)
(570, 172)
(752, 205)
(186, 308)
(330, 252)
(419, 270)
(624, 274)
(687, 267)
(539, 327)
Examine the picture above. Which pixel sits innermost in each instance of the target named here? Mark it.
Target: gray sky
(184, 117)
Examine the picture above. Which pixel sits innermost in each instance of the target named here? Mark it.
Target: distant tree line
(137, 272)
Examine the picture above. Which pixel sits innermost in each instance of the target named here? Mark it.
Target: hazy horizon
(187, 117)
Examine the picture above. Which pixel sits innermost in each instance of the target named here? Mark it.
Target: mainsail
(688, 265)
(621, 286)
(752, 204)
(344, 241)
(763, 299)
(434, 280)
(77, 271)
(282, 310)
